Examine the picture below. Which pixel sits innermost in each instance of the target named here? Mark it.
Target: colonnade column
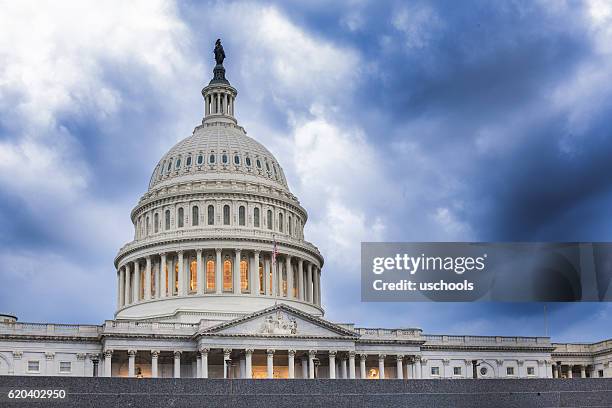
(218, 272)
(163, 272)
(381, 366)
(181, 274)
(270, 363)
(301, 279)
(315, 299)
(108, 357)
(237, 272)
(332, 364)
(399, 367)
(362, 366)
(291, 363)
(417, 366)
(136, 288)
(311, 367)
(309, 288)
(154, 357)
(569, 371)
(255, 288)
(289, 277)
(583, 371)
(343, 373)
(177, 364)
(201, 284)
(147, 281)
(248, 365)
(304, 363)
(554, 371)
(351, 365)
(121, 286)
(131, 363)
(226, 360)
(204, 362)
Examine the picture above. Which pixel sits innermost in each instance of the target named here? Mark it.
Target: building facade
(219, 282)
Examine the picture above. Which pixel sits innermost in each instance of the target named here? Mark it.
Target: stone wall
(151, 393)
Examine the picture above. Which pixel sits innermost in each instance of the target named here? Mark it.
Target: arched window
(195, 216)
(227, 276)
(262, 288)
(193, 275)
(244, 276)
(147, 226)
(241, 216)
(210, 275)
(289, 220)
(167, 219)
(236, 159)
(226, 215)
(269, 219)
(200, 159)
(224, 158)
(156, 222)
(181, 215)
(211, 215)
(211, 159)
(256, 217)
(280, 222)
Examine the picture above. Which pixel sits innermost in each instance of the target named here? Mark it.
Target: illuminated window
(167, 219)
(210, 275)
(193, 276)
(280, 222)
(156, 222)
(295, 281)
(211, 215)
(284, 282)
(373, 373)
(256, 217)
(226, 215)
(261, 279)
(153, 287)
(142, 283)
(241, 215)
(195, 215)
(227, 276)
(244, 276)
(269, 219)
(176, 275)
(181, 216)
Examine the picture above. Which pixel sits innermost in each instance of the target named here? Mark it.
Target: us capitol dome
(218, 233)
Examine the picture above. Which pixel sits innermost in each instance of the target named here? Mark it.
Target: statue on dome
(219, 53)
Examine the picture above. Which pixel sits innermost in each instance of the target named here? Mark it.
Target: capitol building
(220, 282)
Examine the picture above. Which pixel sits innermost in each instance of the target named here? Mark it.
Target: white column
(218, 103)
(469, 369)
(417, 366)
(300, 279)
(127, 284)
(362, 366)
(201, 284)
(136, 288)
(108, 357)
(163, 273)
(570, 368)
(311, 367)
(583, 371)
(225, 103)
(237, 271)
(204, 362)
(255, 288)
(289, 268)
(177, 364)
(381, 366)
(147, 282)
(248, 363)
(317, 286)
(226, 361)
(270, 363)
(181, 274)
(554, 371)
(351, 365)
(154, 357)
(121, 286)
(309, 289)
(131, 363)
(332, 364)
(218, 272)
(291, 363)
(399, 367)
(343, 371)
(267, 272)
(304, 361)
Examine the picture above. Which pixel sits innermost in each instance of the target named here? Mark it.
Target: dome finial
(219, 70)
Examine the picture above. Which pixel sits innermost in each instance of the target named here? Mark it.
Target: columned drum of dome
(218, 234)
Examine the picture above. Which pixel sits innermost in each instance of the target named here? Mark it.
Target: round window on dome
(236, 160)
(248, 161)
(188, 161)
(224, 158)
(258, 163)
(200, 159)
(211, 159)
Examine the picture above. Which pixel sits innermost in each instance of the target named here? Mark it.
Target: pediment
(279, 320)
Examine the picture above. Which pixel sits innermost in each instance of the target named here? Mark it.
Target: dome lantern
(219, 95)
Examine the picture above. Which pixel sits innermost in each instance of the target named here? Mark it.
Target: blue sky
(395, 121)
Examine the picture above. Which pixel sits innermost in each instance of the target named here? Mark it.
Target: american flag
(274, 251)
